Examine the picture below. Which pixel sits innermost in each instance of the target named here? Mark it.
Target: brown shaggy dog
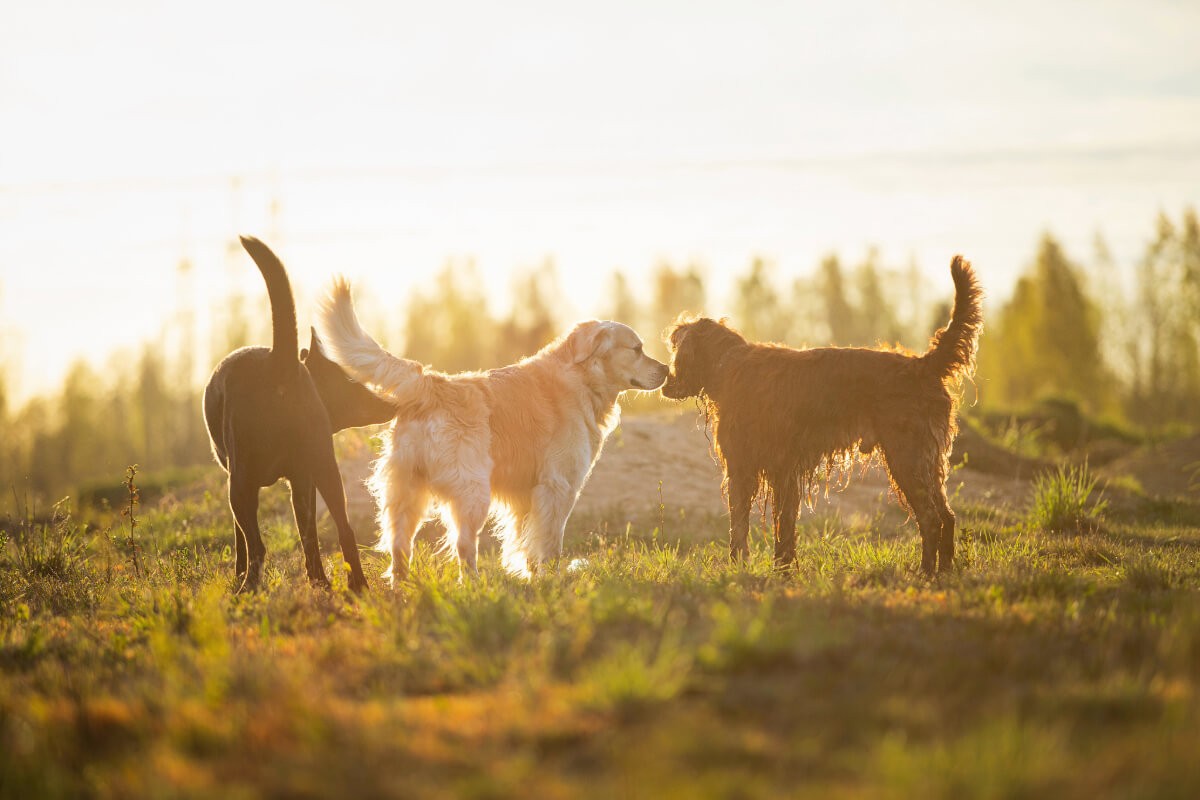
(782, 417)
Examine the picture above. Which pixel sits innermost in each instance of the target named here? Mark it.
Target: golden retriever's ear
(590, 339)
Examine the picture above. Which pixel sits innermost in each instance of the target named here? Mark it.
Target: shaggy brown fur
(782, 417)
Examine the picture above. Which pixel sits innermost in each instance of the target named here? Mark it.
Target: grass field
(1061, 664)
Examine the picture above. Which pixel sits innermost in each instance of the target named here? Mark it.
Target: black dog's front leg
(329, 483)
(239, 553)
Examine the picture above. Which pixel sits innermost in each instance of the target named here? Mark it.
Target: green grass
(1063, 501)
(1049, 664)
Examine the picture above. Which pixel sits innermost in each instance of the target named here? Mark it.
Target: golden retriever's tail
(952, 349)
(396, 379)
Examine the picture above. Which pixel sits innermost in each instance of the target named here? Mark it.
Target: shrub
(1062, 501)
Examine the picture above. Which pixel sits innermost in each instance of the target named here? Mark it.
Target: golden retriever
(518, 441)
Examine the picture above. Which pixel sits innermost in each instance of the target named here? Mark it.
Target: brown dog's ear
(588, 340)
(676, 336)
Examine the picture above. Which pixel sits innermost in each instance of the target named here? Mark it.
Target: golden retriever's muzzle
(659, 372)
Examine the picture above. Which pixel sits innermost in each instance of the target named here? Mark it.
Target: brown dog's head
(696, 349)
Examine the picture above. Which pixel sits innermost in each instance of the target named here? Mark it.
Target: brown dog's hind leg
(243, 500)
(912, 477)
(304, 506)
(786, 502)
(946, 540)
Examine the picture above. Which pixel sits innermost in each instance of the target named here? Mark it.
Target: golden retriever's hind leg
(402, 512)
(469, 514)
(510, 526)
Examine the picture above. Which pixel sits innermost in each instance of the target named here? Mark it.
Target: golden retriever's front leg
(553, 500)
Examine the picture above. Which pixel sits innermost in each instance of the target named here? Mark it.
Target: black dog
(271, 414)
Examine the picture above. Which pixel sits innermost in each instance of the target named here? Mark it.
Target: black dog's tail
(284, 349)
(952, 349)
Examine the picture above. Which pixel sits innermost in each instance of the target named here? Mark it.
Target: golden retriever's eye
(638, 348)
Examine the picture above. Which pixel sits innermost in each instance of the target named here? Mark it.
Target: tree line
(1124, 344)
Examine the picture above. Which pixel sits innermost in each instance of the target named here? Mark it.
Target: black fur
(271, 415)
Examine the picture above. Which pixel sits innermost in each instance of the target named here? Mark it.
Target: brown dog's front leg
(741, 495)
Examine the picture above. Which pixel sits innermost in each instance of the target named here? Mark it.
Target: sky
(380, 139)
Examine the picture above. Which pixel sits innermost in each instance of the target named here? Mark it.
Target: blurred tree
(533, 322)
(757, 308)
(79, 443)
(1189, 256)
(1046, 338)
(623, 306)
(233, 325)
(675, 292)
(152, 411)
(916, 310)
(808, 327)
(1118, 340)
(877, 319)
(451, 328)
(1164, 346)
(841, 319)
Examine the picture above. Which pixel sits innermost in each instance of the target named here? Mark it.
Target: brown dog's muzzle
(675, 389)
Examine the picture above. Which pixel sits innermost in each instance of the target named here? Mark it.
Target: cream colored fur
(516, 442)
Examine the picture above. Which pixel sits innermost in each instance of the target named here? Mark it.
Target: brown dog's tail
(952, 349)
(398, 380)
(284, 349)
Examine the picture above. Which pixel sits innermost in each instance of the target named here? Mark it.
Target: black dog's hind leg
(329, 483)
(304, 506)
(243, 500)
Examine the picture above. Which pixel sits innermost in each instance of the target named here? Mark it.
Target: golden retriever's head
(611, 356)
(696, 346)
